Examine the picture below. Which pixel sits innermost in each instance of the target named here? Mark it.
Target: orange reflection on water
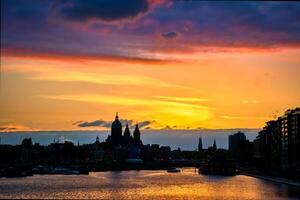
(143, 185)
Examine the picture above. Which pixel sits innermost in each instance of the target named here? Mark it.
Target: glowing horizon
(165, 71)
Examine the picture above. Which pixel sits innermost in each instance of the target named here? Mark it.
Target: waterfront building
(165, 152)
(272, 128)
(289, 127)
(277, 146)
(97, 151)
(240, 148)
(234, 141)
(262, 149)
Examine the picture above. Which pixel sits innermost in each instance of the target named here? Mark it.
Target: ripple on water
(143, 185)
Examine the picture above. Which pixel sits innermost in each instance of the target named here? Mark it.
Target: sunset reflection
(144, 185)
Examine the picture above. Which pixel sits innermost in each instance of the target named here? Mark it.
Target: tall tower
(126, 135)
(200, 147)
(215, 145)
(116, 131)
(137, 135)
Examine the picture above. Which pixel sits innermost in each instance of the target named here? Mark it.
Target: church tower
(137, 135)
(126, 136)
(116, 131)
(200, 147)
(215, 145)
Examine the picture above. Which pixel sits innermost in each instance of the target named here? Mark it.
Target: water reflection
(144, 185)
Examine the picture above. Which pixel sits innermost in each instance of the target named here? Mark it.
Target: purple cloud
(169, 35)
(29, 25)
(105, 10)
(107, 124)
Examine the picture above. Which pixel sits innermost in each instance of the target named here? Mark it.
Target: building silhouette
(116, 131)
(277, 146)
(137, 136)
(200, 147)
(127, 140)
(116, 139)
(214, 145)
(234, 140)
(289, 130)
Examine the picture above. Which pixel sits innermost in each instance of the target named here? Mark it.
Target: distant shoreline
(108, 130)
(188, 139)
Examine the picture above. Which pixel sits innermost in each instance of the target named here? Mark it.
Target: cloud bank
(107, 124)
(104, 10)
(30, 26)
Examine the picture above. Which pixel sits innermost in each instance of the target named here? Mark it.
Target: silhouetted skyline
(149, 99)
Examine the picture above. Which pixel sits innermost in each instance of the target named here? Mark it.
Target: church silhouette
(118, 139)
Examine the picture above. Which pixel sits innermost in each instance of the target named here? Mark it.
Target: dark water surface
(144, 185)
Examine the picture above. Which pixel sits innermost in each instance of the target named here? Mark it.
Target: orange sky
(216, 66)
(207, 90)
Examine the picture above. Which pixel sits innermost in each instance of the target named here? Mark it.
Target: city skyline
(149, 99)
(64, 66)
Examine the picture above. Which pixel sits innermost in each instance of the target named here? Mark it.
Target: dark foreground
(149, 184)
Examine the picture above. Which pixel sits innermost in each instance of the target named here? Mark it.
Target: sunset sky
(71, 65)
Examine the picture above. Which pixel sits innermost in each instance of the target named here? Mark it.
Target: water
(185, 139)
(144, 185)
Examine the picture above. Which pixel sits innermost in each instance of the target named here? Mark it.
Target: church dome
(116, 124)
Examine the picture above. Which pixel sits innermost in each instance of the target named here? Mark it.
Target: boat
(56, 170)
(173, 170)
(65, 171)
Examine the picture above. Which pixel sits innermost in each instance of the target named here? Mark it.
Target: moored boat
(173, 170)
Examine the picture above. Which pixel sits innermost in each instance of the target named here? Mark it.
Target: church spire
(215, 145)
(137, 135)
(200, 147)
(127, 131)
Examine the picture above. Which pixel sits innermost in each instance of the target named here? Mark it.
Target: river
(144, 185)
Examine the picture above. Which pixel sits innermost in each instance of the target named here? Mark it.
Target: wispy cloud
(182, 99)
(251, 101)
(163, 111)
(243, 117)
(13, 127)
(80, 57)
(122, 100)
(108, 79)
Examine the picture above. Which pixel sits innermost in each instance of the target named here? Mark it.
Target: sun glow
(158, 64)
(213, 92)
